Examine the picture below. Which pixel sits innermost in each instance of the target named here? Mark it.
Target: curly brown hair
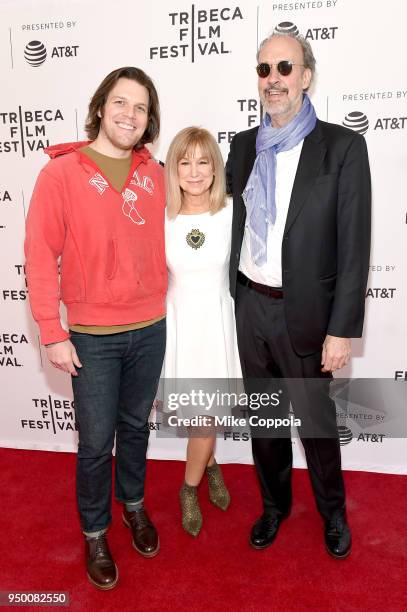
(100, 96)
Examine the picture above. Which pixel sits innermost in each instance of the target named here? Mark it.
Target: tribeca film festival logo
(249, 107)
(35, 52)
(322, 33)
(27, 129)
(16, 295)
(9, 343)
(199, 33)
(54, 415)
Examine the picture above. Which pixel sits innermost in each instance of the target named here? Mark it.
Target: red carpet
(41, 547)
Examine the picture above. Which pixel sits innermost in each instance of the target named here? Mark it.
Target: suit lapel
(249, 159)
(312, 155)
(246, 156)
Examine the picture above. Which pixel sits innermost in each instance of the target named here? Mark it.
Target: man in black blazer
(298, 272)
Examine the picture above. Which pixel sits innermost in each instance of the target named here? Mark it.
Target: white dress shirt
(269, 273)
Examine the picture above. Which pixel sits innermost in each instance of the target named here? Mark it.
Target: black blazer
(326, 243)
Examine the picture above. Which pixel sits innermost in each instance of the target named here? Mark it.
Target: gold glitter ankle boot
(191, 512)
(218, 493)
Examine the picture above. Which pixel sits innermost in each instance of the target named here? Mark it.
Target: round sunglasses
(284, 68)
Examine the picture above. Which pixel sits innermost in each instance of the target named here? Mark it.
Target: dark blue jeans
(113, 394)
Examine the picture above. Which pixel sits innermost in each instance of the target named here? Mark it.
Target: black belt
(264, 289)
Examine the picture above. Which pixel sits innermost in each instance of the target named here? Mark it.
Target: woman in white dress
(201, 336)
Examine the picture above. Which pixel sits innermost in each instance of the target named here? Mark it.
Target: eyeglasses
(284, 68)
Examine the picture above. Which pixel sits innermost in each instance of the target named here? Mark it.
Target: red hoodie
(111, 244)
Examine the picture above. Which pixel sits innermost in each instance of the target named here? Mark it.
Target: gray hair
(309, 59)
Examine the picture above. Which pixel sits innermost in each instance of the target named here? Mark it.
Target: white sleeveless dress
(201, 330)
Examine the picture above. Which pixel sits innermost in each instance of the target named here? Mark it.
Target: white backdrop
(201, 57)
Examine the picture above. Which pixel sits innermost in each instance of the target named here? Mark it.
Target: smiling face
(124, 118)
(281, 96)
(195, 173)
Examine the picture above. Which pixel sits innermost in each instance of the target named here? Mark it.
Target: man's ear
(306, 78)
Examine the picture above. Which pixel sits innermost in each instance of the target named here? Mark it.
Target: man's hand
(335, 353)
(63, 356)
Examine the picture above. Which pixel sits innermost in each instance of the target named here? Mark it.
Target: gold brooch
(195, 238)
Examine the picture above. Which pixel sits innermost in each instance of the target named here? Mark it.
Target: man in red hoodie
(99, 207)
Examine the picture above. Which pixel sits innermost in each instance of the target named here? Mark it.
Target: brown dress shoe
(102, 570)
(145, 536)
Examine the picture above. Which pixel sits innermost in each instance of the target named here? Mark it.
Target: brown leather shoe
(145, 536)
(102, 570)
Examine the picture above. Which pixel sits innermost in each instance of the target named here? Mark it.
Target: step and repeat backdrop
(201, 57)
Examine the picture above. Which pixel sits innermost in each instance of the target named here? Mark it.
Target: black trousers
(266, 354)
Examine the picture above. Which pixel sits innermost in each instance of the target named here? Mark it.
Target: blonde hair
(186, 142)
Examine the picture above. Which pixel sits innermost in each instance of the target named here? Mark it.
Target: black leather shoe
(338, 538)
(102, 570)
(265, 529)
(145, 536)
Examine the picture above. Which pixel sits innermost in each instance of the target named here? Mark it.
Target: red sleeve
(44, 242)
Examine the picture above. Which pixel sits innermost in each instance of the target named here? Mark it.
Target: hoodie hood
(64, 148)
(70, 147)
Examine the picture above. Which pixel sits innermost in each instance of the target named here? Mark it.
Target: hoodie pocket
(111, 259)
(137, 270)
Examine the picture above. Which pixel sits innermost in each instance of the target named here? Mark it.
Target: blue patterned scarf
(260, 192)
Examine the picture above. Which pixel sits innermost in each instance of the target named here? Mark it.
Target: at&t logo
(35, 52)
(345, 435)
(286, 27)
(379, 292)
(358, 122)
(371, 437)
(323, 33)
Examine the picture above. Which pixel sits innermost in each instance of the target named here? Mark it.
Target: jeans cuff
(133, 506)
(95, 534)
